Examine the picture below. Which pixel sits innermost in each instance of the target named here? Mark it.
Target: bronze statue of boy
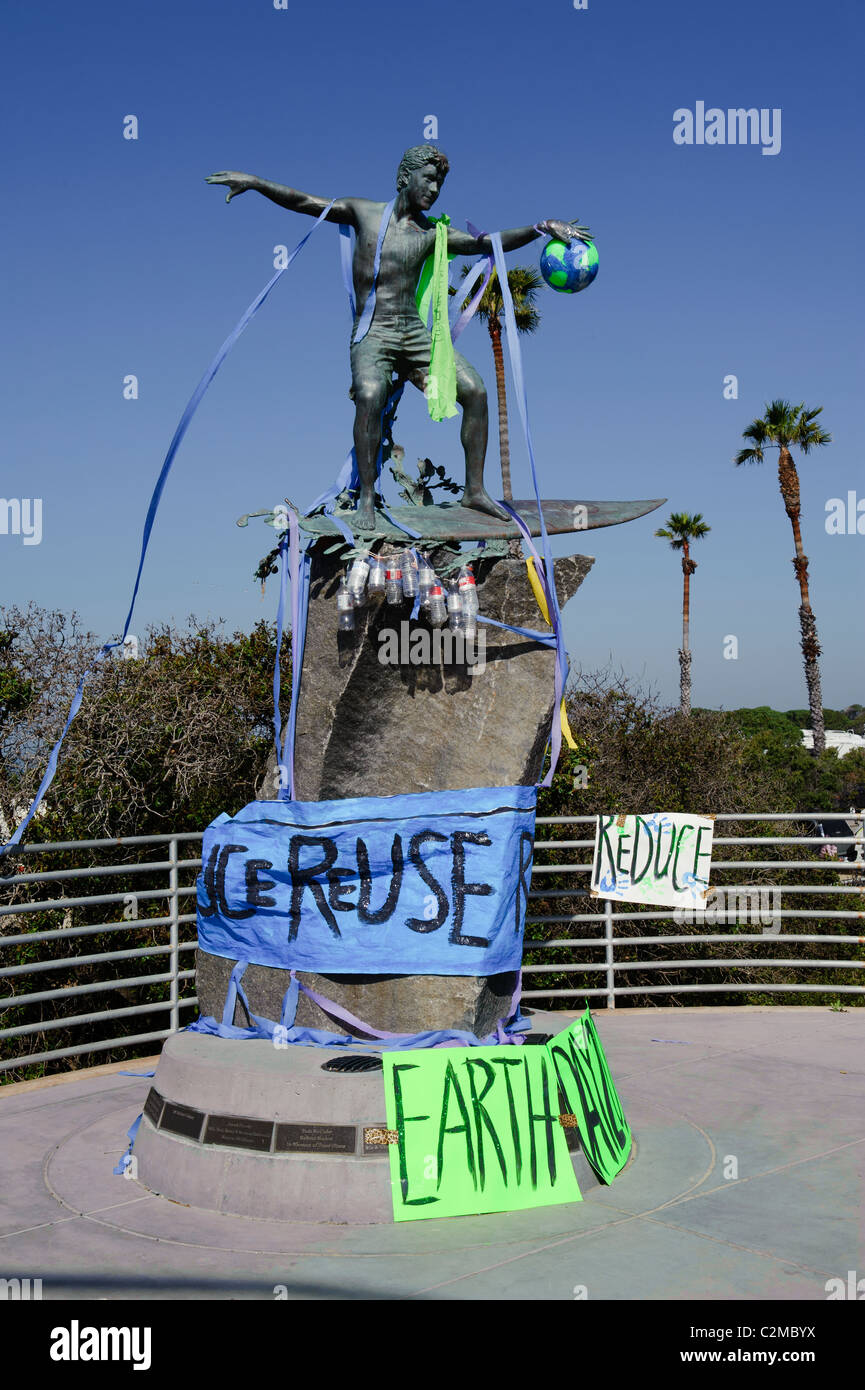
(397, 340)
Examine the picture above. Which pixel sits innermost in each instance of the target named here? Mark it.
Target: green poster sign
(584, 1077)
(478, 1130)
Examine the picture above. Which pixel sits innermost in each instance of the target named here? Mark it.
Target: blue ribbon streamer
(179, 433)
(369, 306)
(548, 579)
(131, 1135)
(286, 1033)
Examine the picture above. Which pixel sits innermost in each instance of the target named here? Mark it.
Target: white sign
(664, 858)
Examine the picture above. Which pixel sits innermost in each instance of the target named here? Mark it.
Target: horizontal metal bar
(767, 937)
(738, 963)
(18, 1001)
(106, 870)
(47, 1025)
(725, 815)
(722, 987)
(729, 915)
(132, 924)
(835, 865)
(13, 1063)
(63, 904)
(95, 871)
(549, 893)
(69, 962)
(726, 840)
(58, 845)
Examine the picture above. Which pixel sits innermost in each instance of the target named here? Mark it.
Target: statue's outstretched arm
(292, 198)
(461, 244)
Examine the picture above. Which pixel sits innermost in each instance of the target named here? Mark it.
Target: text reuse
(433, 883)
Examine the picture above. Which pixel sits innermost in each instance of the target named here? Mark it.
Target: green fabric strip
(423, 293)
(441, 389)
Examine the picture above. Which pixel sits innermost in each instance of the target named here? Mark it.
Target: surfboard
(450, 521)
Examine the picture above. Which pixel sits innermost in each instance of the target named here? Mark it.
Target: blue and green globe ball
(569, 266)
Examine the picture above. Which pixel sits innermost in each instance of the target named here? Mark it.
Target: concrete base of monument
(245, 1128)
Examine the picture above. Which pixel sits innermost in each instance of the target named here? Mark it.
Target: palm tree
(782, 426)
(680, 530)
(524, 283)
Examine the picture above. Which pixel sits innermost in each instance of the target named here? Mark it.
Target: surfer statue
(388, 335)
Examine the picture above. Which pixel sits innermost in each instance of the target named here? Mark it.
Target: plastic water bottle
(357, 576)
(437, 608)
(425, 578)
(468, 591)
(377, 575)
(345, 607)
(410, 580)
(393, 584)
(456, 612)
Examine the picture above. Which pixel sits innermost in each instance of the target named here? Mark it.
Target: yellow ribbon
(541, 601)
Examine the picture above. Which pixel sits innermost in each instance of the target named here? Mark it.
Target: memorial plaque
(377, 1149)
(239, 1132)
(153, 1106)
(315, 1139)
(182, 1119)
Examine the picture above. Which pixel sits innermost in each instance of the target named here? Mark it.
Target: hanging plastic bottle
(437, 607)
(345, 607)
(358, 574)
(456, 612)
(425, 578)
(468, 591)
(410, 580)
(393, 583)
(377, 576)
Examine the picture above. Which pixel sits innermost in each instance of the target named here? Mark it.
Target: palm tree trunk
(504, 441)
(788, 481)
(688, 567)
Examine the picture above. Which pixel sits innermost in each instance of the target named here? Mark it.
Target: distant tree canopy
(169, 740)
(639, 755)
(851, 719)
(162, 742)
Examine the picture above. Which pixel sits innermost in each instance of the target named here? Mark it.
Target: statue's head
(413, 168)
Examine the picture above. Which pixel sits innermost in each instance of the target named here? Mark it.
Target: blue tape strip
(185, 420)
(549, 578)
(369, 306)
(126, 1159)
(346, 255)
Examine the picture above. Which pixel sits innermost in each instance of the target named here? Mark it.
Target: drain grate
(352, 1064)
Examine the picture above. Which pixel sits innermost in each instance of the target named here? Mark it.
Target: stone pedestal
(368, 728)
(245, 1128)
(365, 728)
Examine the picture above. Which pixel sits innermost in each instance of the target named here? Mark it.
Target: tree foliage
(162, 742)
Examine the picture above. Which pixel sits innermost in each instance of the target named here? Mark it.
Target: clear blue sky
(713, 260)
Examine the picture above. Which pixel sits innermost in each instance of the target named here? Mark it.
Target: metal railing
(598, 944)
(166, 925)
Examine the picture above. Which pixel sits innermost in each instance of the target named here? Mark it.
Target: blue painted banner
(428, 884)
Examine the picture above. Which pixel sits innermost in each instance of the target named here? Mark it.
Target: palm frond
(748, 456)
(783, 425)
(683, 527)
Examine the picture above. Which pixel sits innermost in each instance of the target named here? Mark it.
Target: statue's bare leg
(370, 397)
(472, 396)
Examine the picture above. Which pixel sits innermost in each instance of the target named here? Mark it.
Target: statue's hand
(237, 183)
(565, 231)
